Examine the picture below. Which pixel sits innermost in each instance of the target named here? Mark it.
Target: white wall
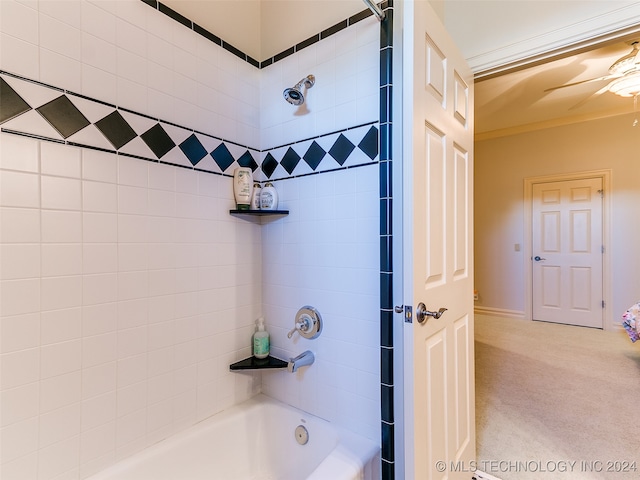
(126, 287)
(502, 164)
(326, 254)
(119, 317)
(128, 54)
(346, 66)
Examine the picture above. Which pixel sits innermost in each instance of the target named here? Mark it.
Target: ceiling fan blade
(598, 79)
(590, 97)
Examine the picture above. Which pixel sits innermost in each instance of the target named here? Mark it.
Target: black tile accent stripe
(207, 34)
(308, 42)
(284, 54)
(387, 352)
(360, 16)
(34, 136)
(334, 29)
(387, 403)
(175, 15)
(387, 442)
(236, 51)
(156, 5)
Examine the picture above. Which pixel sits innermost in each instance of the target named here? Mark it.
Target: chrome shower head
(294, 94)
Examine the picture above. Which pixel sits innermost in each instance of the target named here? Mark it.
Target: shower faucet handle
(301, 326)
(308, 323)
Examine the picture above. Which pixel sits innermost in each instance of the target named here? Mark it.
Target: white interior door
(567, 252)
(438, 163)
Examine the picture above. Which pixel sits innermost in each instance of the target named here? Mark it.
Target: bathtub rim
(352, 453)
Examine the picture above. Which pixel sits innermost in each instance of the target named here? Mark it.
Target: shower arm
(375, 9)
(307, 81)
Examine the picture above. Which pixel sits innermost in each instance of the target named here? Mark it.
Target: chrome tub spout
(305, 358)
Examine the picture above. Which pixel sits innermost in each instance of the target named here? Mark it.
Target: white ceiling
(517, 101)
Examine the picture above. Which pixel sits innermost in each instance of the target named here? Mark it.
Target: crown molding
(616, 25)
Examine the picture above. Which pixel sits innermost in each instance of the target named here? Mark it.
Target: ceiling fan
(624, 75)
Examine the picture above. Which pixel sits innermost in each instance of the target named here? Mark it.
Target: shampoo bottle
(255, 197)
(269, 198)
(242, 187)
(260, 340)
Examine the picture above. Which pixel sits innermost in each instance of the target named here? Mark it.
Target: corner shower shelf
(253, 363)
(259, 213)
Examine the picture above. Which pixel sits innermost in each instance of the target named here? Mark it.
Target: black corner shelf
(253, 363)
(259, 213)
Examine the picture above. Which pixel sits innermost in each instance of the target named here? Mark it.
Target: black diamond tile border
(341, 150)
(64, 116)
(193, 149)
(269, 165)
(222, 156)
(314, 155)
(116, 129)
(68, 119)
(247, 160)
(290, 160)
(369, 143)
(11, 103)
(158, 140)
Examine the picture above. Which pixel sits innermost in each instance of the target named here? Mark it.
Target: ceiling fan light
(627, 86)
(626, 64)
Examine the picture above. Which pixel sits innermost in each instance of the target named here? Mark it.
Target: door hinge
(602, 249)
(601, 192)
(602, 303)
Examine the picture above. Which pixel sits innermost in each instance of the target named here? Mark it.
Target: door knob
(422, 313)
(538, 258)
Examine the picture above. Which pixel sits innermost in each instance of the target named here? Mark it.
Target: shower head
(294, 94)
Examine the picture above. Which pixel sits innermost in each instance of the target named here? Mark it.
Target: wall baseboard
(500, 312)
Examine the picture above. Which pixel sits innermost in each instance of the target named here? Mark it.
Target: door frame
(605, 175)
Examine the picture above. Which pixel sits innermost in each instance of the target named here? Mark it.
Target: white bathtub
(254, 440)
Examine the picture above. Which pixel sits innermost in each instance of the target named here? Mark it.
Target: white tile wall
(315, 257)
(121, 300)
(109, 338)
(346, 67)
(134, 56)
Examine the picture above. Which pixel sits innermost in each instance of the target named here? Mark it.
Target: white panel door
(567, 252)
(438, 169)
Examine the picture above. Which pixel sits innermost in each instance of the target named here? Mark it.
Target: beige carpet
(556, 401)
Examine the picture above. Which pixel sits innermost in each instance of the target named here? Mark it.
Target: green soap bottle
(261, 340)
